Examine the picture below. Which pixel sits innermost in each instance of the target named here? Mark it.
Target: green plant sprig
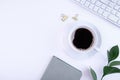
(110, 67)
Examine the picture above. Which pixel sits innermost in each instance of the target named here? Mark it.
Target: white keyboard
(108, 9)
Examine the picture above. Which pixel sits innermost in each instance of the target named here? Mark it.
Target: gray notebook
(59, 70)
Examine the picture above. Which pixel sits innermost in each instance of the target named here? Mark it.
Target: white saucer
(67, 45)
(115, 76)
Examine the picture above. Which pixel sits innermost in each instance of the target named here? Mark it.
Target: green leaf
(113, 53)
(93, 74)
(110, 70)
(114, 63)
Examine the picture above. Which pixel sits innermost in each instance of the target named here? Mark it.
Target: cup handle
(97, 49)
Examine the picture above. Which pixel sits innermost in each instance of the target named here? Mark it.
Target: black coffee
(83, 38)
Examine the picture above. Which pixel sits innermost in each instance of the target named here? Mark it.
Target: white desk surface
(29, 37)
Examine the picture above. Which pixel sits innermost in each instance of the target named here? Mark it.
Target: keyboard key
(118, 14)
(106, 14)
(93, 1)
(87, 3)
(100, 11)
(91, 6)
(114, 1)
(98, 3)
(108, 9)
(119, 22)
(83, 1)
(118, 2)
(105, 1)
(89, 0)
(117, 7)
(78, 0)
(113, 12)
(111, 4)
(96, 8)
(113, 18)
(103, 6)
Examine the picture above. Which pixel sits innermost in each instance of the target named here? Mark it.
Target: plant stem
(102, 78)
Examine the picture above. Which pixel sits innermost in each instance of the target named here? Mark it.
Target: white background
(29, 37)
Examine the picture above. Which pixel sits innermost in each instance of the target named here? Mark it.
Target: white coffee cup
(70, 48)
